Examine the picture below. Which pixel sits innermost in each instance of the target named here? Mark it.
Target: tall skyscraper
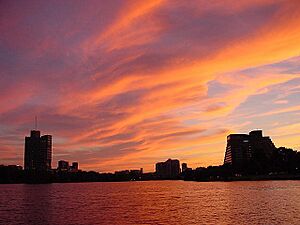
(238, 151)
(251, 149)
(38, 151)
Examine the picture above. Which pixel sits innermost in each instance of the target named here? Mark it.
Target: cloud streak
(127, 83)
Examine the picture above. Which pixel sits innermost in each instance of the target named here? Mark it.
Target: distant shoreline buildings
(38, 154)
(170, 169)
(64, 166)
(244, 152)
(247, 157)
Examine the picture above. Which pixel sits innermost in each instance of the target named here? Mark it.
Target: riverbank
(50, 179)
(249, 178)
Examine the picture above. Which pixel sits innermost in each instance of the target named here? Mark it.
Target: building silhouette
(63, 165)
(74, 167)
(169, 169)
(248, 150)
(184, 167)
(38, 151)
(238, 151)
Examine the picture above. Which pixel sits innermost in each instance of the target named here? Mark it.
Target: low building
(63, 165)
(74, 167)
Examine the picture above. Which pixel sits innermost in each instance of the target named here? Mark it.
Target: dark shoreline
(255, 178)
(281, 177)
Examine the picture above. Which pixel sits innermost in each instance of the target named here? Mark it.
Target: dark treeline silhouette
(13, 174)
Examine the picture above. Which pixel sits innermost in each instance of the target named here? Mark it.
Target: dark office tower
(262, 147)
(38, 151)
(46, 152)
(184, 167)
(32, 146)
(238, 152)
(245, 151)
(169, 169)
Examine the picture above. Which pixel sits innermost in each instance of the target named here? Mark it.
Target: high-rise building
(244, 150)
(262, 148)
(38, 151)
(238, 151)
(169, 169)
(46, 151)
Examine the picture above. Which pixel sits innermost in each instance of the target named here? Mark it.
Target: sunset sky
(125, 84)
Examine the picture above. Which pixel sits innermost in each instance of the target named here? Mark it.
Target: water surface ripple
(152, 202)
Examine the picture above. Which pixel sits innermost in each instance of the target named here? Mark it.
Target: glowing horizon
(125, 84)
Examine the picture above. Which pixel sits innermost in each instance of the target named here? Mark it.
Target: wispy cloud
(122, 84)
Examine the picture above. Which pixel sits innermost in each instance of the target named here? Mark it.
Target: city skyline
(125, 84)
(243, 151)
(247, 157)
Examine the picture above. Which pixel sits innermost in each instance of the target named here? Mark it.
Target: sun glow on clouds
(127, 83)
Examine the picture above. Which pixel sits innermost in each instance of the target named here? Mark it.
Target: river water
(152, 202)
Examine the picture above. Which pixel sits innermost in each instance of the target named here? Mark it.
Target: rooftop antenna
(35, 122)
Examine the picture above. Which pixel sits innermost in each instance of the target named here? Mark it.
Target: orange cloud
(139, 85)
(128, 16)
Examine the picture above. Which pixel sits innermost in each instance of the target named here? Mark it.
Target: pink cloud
(118, 82)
